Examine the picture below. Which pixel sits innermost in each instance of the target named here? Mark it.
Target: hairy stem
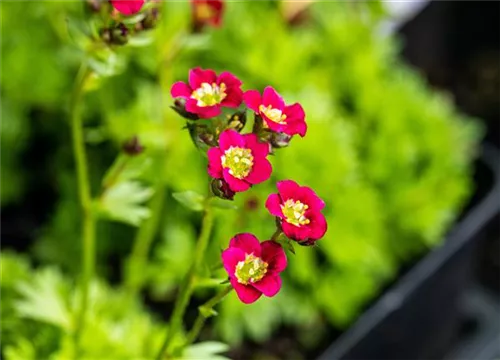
(142, 243)
(84, 195)
(204, 313)
(187, 285)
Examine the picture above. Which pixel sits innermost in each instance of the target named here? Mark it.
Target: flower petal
(318, 226)
(247, 294)
(197, 76)
(273, 203)
(269, 285)
(309, 197)
(295, 118)
(288, 189)
(237, 185)
(214, 163)
(298, 233)
(261, 171)
(271, 97)
(180, 89)
(252, 99)
(128, 7)
(274, 255)
(205, 112)
(233, 99)
(246, 242)
(230, 138)
(228, 79)
(259, 149)
(230, 258)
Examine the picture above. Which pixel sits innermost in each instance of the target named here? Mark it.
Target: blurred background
(402, 103)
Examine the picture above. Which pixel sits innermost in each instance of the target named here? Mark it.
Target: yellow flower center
(294, 212)
(209, 95)
(251, 270)
(274, 115)
(238, 160)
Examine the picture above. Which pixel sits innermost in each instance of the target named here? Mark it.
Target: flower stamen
(274, 115)
(238, 160)
(250, 270)
(209, 95)
(294, 212)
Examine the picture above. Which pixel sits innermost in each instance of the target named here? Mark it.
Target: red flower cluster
(237, 161)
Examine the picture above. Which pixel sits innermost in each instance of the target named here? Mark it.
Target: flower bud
(220, 188)
(180, 108)
(93, 5)
(279, 140)
(132, 146)
(206, 12)
(237, 121)
(118, 35)
(149, 22)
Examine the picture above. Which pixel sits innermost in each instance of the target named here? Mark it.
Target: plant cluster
(391, 157)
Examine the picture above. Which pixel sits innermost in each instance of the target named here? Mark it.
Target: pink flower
(240, 160)
(254, 267)
(207, 92)
(207, 12)
(279, 117)
(127, 7)
(299, 209)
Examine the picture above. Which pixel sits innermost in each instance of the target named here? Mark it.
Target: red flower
(240, 160)
(127, 7)
(279, 117)
(207, 12)
(299, 209)
(207, 92)
(254, 267)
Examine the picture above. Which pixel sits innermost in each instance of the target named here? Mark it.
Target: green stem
(115, 172)
(88, 220)
(204, 313)
(187, 285)
(276, 234)
(142, 243)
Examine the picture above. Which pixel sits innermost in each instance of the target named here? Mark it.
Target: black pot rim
(396, 296)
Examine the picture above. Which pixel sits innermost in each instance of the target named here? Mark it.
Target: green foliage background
(391, 158)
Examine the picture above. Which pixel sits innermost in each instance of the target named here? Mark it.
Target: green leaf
(190, 199)
(126, 168)
(222, 204)
(123, 202)
(208, 350)
(207, 311)
(43, 299)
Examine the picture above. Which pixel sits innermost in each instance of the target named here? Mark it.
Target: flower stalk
(205, 311)
(187, 286)
(142, 243)
(84, 195)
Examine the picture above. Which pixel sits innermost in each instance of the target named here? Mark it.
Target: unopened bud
(220, 188)
(93, 5)
(118, 35)
(279, 140)
(237, 121)
(180, 108)
(149, 22)
(133, 147)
